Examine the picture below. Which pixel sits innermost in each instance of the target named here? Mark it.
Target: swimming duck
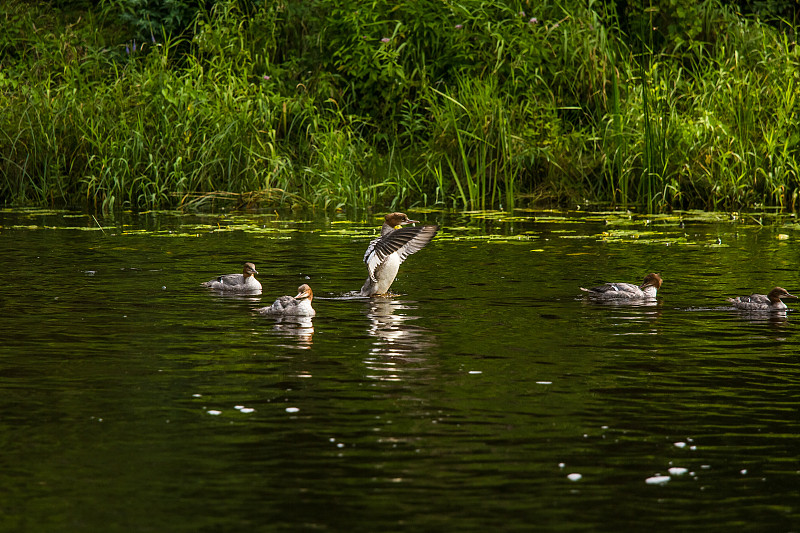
(299, 305)
(244, 282)
(627, 291)
(386, 253)
(763, 302)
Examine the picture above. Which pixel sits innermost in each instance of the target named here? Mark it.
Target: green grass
(470, 105)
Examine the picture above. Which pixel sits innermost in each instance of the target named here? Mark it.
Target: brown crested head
(651, 280)
(777, 293)
(398, 219)
(249, 270)
(304, 292)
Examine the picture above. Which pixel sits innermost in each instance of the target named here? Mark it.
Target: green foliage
(149, 20)
(470, 104)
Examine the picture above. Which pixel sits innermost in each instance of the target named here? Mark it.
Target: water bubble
(657, 480)
(214, 412)
(678, 470)
(680, 444)
(246, 410)
(574, 476)
(292, 409)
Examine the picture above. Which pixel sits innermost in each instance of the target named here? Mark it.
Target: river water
(487, 393)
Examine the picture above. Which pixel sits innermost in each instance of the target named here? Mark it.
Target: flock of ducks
(397, 241)
(652, 282)
(383, 258)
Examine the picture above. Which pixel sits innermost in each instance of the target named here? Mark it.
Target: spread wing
(403, 241)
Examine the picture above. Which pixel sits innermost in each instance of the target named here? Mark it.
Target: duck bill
(301, 296)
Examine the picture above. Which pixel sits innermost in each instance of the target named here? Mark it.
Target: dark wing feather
(404, 241)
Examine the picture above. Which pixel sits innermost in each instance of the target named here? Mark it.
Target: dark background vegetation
(142, 104)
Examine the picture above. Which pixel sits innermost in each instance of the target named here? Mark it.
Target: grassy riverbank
(398, 103)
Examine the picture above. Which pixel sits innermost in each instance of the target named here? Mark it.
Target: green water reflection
(135, 400)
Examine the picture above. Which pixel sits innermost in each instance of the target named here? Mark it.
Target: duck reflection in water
(397, 341)
(297, 328)
(776, 320)
(627, 317)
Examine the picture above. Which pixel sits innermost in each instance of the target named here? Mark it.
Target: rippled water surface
(486, 394)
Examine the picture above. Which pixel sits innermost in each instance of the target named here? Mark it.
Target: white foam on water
(657, 480)
(214, 412)
(292, 409)
(544, 382)
(680, 444)
(678, 470)
(246, 410)
(574, 476)
(238, 407)
(475, 372)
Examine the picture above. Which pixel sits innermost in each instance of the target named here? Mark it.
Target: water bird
(386, 253)
(627, 291)
(762, 302)
(244, 282)
(299, 305)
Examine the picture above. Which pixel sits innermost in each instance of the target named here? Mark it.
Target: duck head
(304, 292)
(651, 280)
(249, 270)
(396, 220)
(777, 293)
